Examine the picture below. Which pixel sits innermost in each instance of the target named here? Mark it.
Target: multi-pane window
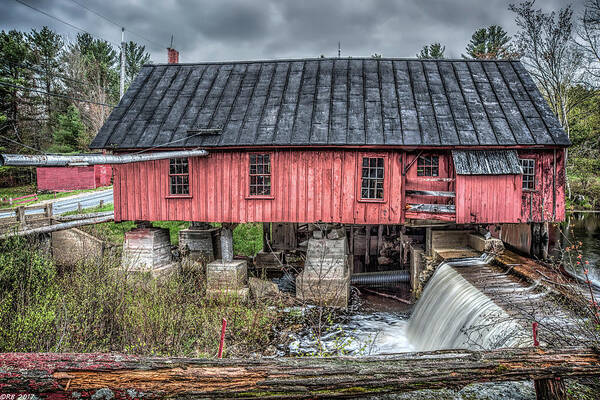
(260, 175)
(428, 166)
(372, 178)
(528, 167)
(179, 176)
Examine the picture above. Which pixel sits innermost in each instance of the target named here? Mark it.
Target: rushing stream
(451, 313)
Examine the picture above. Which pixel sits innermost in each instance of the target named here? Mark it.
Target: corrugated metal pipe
(62, 160)
(380, 279)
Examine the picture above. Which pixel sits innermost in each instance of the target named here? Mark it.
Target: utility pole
(339, 49)
(122, 80)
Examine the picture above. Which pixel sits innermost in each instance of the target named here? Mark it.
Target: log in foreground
(54, 375)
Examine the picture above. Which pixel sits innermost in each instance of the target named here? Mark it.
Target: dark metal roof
(486, 162)
(313, 102)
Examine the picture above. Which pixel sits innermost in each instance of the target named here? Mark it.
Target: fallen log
(52, 375)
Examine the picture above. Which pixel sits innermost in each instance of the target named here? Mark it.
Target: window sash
(179, 177)
(428, 166)
(528, 167)
(372, 178)
(259, 172)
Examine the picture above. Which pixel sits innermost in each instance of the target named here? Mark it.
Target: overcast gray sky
(209, 30)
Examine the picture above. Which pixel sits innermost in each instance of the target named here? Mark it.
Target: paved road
(67, 204)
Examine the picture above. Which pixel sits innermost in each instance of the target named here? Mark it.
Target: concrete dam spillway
(454, 314)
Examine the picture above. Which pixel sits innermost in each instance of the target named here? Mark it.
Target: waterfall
(452, 314)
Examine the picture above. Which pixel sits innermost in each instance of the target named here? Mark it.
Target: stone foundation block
(324, 292)
(325, 279)
(202, 244)
(242, 294)
(226, 275)
(146, 249)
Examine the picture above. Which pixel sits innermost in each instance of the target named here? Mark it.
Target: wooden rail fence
(19, 219)
(56, 375)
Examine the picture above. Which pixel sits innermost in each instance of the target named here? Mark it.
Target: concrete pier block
(146, 249)
(226, 275)
(325, 279)
(202, 244)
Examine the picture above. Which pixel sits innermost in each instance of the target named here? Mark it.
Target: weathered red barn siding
(73, 178)
(103, 175)
(547, 201)
(307, 186)
(488, 198)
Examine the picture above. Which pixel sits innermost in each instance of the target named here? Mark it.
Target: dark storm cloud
(259, 29)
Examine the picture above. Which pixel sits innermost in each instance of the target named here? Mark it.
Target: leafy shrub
(99, 307)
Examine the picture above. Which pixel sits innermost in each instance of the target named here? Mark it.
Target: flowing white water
(452, 314)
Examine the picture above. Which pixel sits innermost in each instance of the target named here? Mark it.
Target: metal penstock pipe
(381, 279)
(62, 160)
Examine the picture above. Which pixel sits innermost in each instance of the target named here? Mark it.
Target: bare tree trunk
(550, 389)
(55, 374)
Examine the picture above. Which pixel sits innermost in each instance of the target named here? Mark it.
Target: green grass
(95, 307)
(247, 238)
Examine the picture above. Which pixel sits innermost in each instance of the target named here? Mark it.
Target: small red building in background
(57, 179)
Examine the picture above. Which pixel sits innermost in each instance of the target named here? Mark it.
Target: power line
(64, 22)
(54, 74)
(21, 144)
(116, 23)
(56, 94)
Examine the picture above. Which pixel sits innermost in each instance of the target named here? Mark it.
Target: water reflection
(585, 228)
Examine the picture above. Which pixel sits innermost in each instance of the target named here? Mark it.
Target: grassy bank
(94, 307)
(585, 192)
(247, 238)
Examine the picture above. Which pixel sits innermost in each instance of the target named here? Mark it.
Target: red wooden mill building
(360, 142)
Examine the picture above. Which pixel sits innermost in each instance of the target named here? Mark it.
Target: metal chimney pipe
(62, 160)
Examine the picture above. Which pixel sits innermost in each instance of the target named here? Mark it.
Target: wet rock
(337, 233)
(384, 261)
(494, 246)
(261, 289)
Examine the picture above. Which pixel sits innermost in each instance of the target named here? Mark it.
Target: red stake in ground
(222, 342)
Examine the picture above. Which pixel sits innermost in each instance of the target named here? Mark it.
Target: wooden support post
(367, 244)
(266, 236)
(20, 212)
(428, 240)
(48, 210)
(227, 242)
(379, 239)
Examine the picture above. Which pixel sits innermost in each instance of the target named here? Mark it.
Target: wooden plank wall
(323, 185)
(542, 204)
(308, 186)
(65, 178)
(414, 182)
(488, 198)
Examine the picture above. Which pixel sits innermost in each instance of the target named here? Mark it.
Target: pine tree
(490, 43)
(135, 57)
(432, 51)
(70, 131)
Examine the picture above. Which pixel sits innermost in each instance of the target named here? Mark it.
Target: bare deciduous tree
(550, 54)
